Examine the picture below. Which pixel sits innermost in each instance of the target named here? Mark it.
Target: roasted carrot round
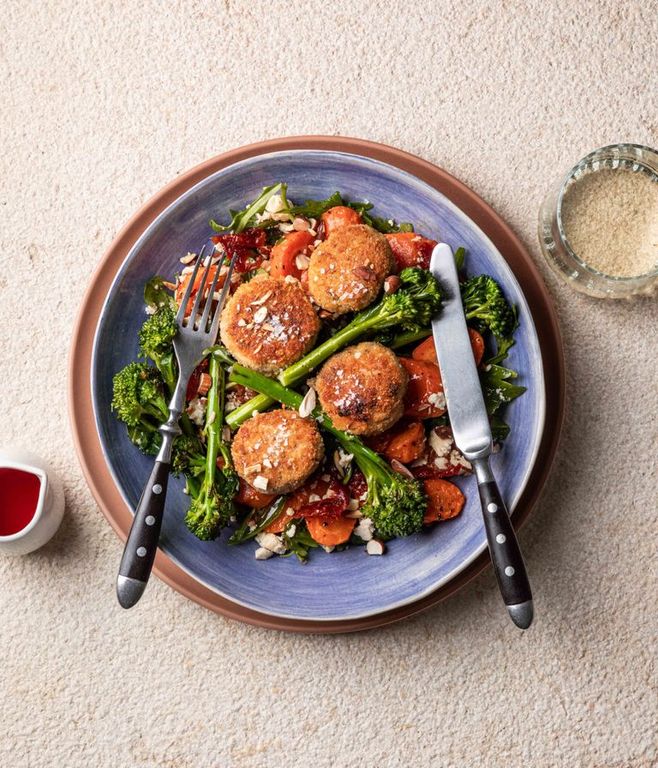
(427, 351)
(283, 258)
(411, 249)
(424, 398)
(404, 442)
(250, 497)
(444, 500)
(182, 286)
(339, 216)
(330, 532)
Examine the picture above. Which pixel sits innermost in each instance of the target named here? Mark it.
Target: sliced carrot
(444, 500)
(250, 497)
(424, 398)
(284, 254)
(330, 532)
(182, 286)
(339, 216)
(426, 350)
(411, 249)
(315, 486)
(404, 442)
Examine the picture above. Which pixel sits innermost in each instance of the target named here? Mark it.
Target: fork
(197, 330)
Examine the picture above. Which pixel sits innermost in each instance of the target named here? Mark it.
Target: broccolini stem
(361, 324)
(408, 337)
(214, 415)
(246, 410)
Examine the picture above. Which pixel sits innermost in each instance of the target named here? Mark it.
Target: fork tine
(180, 315)
(211, 293)
(200, 294)
(222, 298)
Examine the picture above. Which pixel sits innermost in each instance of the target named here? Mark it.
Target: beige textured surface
(101, 107)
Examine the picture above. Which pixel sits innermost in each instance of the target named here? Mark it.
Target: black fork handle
(142, 542)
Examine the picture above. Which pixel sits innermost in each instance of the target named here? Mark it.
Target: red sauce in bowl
(19, 496)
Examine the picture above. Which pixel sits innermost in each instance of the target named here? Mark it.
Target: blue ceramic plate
(344, 585)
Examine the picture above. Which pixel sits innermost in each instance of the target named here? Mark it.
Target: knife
(472, 435)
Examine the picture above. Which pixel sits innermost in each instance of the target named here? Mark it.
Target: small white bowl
(50, 505)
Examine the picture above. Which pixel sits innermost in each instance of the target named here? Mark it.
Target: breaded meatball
(276, 451)
(362, 388)
(347, 270)
(269, 323)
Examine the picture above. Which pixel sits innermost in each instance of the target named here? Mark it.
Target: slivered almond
(300, 223)
(170, 286)
(205, 381)
(308, 403)
(260, 315)
(252, 468)
(399, 467)
(188, 258)
(263, 298)
(302, 261)
(211, 419)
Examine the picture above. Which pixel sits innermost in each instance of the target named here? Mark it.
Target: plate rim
(540, 415)
(470, 204)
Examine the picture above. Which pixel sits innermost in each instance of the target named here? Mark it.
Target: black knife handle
(142, 542)
(505, 554)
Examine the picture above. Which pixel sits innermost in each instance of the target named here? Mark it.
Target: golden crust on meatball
(277, 451)
(269, 323)
(362, 388)
(347, 270)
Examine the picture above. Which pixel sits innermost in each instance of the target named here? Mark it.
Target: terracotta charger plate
(86, 436)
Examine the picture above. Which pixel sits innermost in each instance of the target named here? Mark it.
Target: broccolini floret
(138, 400)
(156, 338)
(485, 304)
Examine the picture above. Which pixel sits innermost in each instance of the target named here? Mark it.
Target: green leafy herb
(300, 542)
(263, 518)
(499, 429)
(242, 219)
(498, 388)
(460, 258)
(157, 295)
(313, 209)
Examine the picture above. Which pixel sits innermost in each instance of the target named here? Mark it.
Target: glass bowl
(555, 245)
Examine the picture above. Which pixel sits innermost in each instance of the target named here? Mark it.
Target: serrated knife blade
(472, 433)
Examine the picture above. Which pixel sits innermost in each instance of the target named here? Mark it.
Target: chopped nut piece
(188, 258)
(261, 483)
(365, 529)
(391, 284)
(375, 547)
(205, 381)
